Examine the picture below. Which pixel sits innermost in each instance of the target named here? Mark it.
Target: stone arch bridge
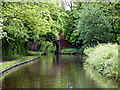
(60, 44)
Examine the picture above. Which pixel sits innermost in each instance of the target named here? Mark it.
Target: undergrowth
(104, 59)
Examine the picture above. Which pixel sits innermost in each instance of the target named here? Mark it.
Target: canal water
(51, 71)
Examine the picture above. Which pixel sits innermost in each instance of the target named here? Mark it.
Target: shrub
(104, 58)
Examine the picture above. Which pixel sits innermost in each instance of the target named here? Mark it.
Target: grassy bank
(101, 81)
(7, 64)
(13, 57)
(104, 59)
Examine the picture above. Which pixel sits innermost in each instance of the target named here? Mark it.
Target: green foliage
(71, 50)
(85, 25)
(112, 9)
(116, 22)
(104, 58)
(32, 19)
(29, 21)
(46, 46)
(90, 22)
(93, 27)
(71, 24)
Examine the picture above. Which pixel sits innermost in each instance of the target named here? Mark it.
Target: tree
(93, 27)
(29, 21)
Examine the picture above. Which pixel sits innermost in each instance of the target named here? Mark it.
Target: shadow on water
(53, 71)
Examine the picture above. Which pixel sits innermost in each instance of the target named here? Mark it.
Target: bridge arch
(60, 44)
(58, 48)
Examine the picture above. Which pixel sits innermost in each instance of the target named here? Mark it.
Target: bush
(104, 58)
(93, 27)
(13, 49)
(71, 50)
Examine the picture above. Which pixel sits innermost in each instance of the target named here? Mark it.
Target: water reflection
(57, 59)
(60, 71)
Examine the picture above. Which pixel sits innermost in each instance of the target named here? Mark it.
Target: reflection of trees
(57, 60)
(69, 68)
(51, 72)
(79, 61)
(22, 75)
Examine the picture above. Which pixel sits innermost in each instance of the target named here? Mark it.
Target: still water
(51, 71)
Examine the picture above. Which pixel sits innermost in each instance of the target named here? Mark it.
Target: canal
(51, 71)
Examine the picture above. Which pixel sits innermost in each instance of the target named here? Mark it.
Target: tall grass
(104, 59)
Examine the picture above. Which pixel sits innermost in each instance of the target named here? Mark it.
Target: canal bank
(13, 63)
(104, 59)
